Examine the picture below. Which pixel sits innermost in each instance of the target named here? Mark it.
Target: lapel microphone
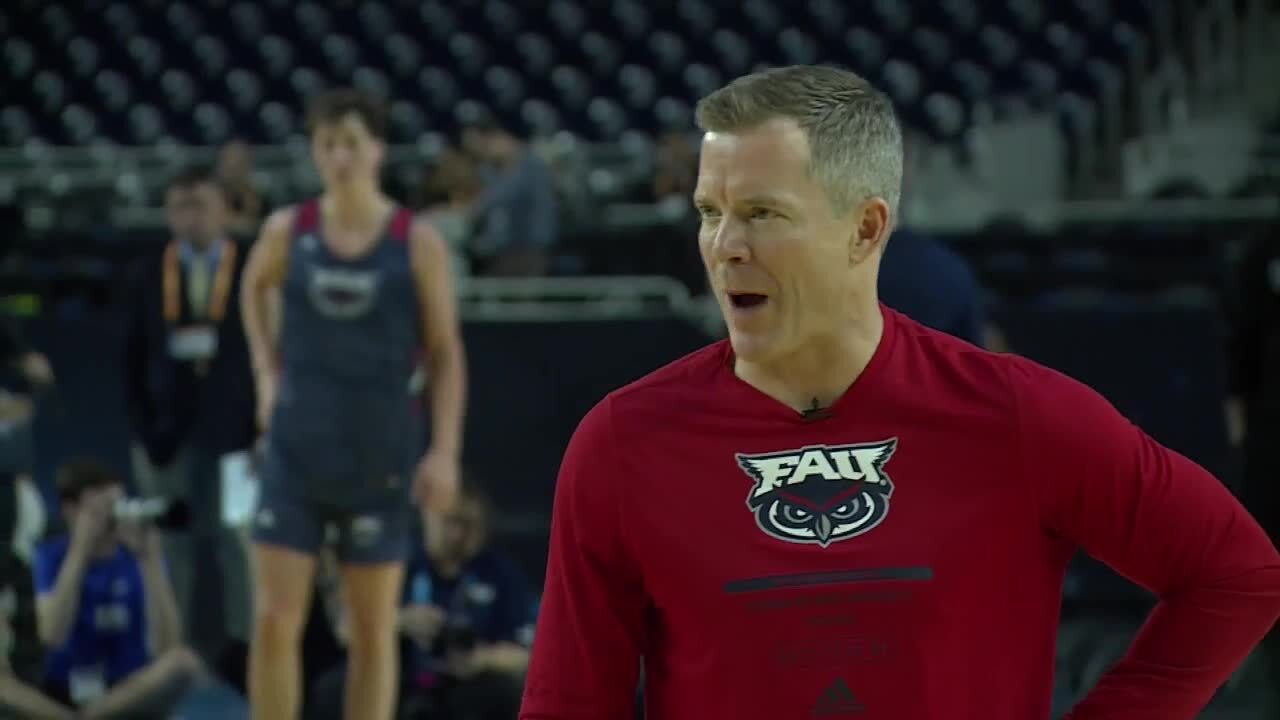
(815, 412)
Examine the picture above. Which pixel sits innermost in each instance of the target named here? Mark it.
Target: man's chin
(749, 346)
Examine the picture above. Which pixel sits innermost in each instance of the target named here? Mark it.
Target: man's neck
(818, 375)
(354, 207)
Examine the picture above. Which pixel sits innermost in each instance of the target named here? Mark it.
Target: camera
(163, 513)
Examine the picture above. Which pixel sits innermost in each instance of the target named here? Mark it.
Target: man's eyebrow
(768, 200)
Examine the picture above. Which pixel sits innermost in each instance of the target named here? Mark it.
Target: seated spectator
(516, 216)
(675, 171)
(235, 172)
(467, 622)
(451, 189)
(105, 609)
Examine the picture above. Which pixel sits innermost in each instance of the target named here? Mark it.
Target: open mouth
(746, 301)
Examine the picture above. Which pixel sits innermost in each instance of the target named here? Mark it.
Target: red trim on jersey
(307, 218)
(401, 225)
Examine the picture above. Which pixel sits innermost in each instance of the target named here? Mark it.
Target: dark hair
(76, 477)
(194, 175)
(333, 105)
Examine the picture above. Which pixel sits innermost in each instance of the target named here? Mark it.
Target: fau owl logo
(820, 494)
(342, 293)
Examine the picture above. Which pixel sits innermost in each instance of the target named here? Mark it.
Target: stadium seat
(243, 54)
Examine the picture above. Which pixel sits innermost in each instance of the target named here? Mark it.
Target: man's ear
(871, 228)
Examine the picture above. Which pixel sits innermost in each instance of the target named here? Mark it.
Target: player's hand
(421, 623)
(435, 482)
(93, 516)
(267, 385)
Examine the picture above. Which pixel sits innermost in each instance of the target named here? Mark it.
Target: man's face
(777, 256)
(99, 500)
(234, 160)
(458, 535)
(483, 145)
(196, 213)
(345, 152)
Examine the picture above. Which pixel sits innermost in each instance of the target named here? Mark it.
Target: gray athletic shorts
(367, 535)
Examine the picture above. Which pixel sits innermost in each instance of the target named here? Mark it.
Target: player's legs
(287, 536)
(372, 548)
(153, 691)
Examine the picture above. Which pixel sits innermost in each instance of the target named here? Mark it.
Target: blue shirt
(930, 283)
(109, 633)
(490, 597)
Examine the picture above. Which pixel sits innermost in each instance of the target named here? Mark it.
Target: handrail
(571, 298)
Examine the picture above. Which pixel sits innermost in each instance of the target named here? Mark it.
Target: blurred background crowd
(1094, 184)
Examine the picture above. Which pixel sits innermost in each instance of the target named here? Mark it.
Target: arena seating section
(198, 72)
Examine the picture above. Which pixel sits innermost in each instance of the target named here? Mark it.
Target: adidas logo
(837, 700)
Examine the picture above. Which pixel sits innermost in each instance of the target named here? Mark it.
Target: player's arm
(263, 275)
(586, 650)
(1100, 483)
(442, 337)
(160, 606)
(58, 586)
(27, 702)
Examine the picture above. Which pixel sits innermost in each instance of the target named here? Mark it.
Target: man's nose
(730, 241)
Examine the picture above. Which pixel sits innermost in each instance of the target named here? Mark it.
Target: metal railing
(544, 299)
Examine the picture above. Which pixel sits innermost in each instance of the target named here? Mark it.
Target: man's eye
(762, 214)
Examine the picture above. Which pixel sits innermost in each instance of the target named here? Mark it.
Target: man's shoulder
(690, 373)
(673, 387)
(654, 398)
(953, 367)
(943, 348)
(1009, 376)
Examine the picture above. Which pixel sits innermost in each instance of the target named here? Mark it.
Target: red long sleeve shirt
(900, 558)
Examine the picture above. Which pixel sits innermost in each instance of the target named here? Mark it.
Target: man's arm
(163, 619)
(586, 651)
(263, 274)
(58, 589)
(1160, 520)
(27, 702)
(442, 338)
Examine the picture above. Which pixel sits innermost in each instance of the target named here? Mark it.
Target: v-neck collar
(865, 384)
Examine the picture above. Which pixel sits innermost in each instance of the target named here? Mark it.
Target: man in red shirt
(839, 513)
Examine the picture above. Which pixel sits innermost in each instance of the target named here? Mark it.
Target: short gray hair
(855, 142)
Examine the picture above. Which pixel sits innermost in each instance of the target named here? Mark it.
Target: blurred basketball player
(365, 293)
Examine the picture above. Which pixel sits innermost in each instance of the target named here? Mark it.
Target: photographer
(467, 622)
(105, 608)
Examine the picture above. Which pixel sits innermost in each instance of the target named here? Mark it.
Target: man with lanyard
(190, 396)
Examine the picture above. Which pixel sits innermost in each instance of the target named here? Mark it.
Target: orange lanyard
(219, 293)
